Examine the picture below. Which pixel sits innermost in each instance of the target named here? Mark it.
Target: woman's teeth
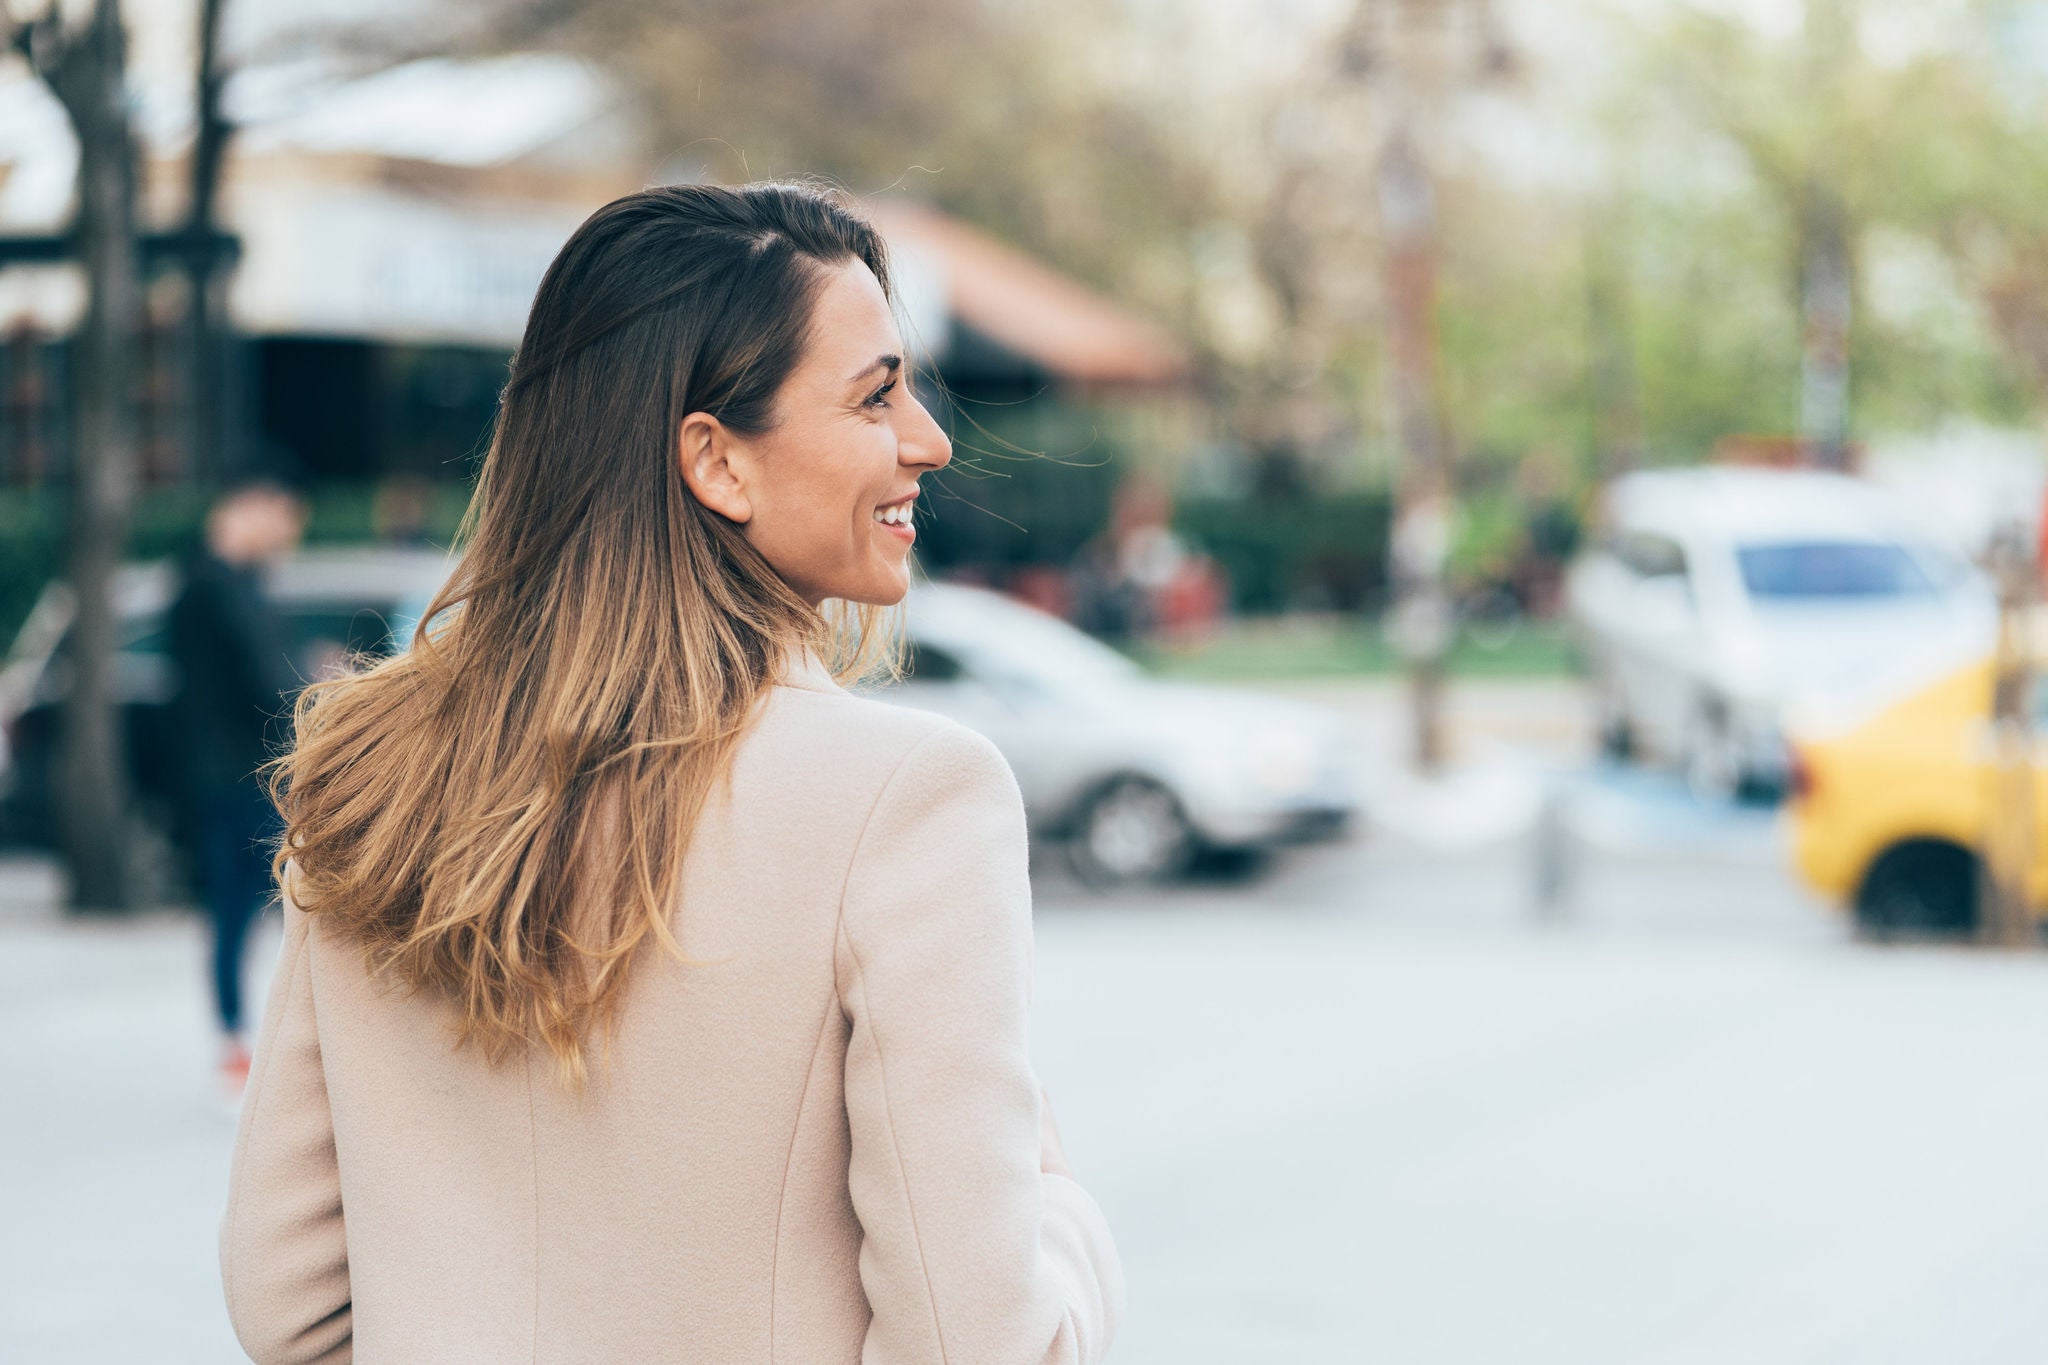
(898, 515)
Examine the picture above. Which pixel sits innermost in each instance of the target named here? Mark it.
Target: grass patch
(1340, 647)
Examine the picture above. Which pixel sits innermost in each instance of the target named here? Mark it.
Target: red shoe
(234, 1070)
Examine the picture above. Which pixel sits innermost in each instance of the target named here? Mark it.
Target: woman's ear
(715, 466)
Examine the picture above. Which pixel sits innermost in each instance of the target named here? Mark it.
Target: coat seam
(788, 1161)
(841, 931)
(896, 1148)
(861, 838)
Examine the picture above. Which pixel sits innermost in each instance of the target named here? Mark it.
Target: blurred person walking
(235, 682)
(645, 994)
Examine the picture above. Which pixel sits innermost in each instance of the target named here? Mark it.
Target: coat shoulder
(859, 717)
(873, 735)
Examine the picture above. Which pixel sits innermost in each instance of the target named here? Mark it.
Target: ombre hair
(499, 814)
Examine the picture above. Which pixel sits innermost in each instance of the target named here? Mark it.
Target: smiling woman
(812, 489)
(646, 995)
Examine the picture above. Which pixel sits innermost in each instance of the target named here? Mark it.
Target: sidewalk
(114, 1152)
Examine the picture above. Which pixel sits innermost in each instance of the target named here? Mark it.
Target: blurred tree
(1010, 116)
(1759, 187)
(206, 281)
(85, 65)
(1933, 142)
(1017, 119)
(1797, 111)
(1981, 192)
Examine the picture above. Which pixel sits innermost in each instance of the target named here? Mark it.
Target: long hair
(499, 814)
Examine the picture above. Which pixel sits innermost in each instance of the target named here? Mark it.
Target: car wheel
(1131, 830)
(1616, 737)
(1617, 741)
(1919, 890)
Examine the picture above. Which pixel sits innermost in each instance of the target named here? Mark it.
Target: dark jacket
(236, 678)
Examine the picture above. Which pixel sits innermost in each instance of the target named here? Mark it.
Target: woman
(646, 996)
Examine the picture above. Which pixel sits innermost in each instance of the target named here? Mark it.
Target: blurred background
(1500, 539)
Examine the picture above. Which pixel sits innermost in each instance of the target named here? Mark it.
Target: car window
(1832, 570)
(1945, 571)
(1650, 555)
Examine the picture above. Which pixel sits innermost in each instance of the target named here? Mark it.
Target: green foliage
(32, 541)
(345, 513)
(31, 530)
(1489, 530)
(1650, 297)
(1299, 648)
(1715, 329)
(1513, 327)
(1935, 159)
(1308, 552)
(1029, 483)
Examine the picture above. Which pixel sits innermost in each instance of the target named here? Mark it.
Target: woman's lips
(899, 517)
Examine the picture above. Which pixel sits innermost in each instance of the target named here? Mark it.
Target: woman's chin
(884, 590)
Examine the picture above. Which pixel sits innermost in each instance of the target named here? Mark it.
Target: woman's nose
(926, 443)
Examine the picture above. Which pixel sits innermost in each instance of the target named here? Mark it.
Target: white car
(1709, 601)
(1137, 774)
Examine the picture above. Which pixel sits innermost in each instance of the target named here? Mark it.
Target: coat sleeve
(969, 1253)
(283, 1256)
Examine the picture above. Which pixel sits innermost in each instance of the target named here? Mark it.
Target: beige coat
(823, 1148)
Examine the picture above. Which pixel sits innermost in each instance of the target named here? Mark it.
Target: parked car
(1891, 805)
(1136, 774)
(1707, 600)
(332, 598)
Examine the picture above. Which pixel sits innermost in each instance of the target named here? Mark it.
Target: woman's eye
(878, 397)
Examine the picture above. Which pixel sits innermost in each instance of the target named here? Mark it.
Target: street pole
(1826, 297)
(2005, 913)
(1827, 285)
(1613, 389)
(1424, 623)
(1414, 55)
(208, 457)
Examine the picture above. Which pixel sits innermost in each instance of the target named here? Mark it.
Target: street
(1331, 1136)
(1369, 1102)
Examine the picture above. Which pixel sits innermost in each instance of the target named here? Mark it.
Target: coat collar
(806, 669)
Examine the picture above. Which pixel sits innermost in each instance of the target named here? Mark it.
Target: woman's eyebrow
(891, 363)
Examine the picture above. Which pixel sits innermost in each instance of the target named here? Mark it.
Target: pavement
(1695, 1124)
(1371, 1101)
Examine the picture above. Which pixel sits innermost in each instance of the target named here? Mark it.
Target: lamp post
(1415, 56)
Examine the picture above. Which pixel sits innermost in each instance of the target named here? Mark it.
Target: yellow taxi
(1889, 813)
